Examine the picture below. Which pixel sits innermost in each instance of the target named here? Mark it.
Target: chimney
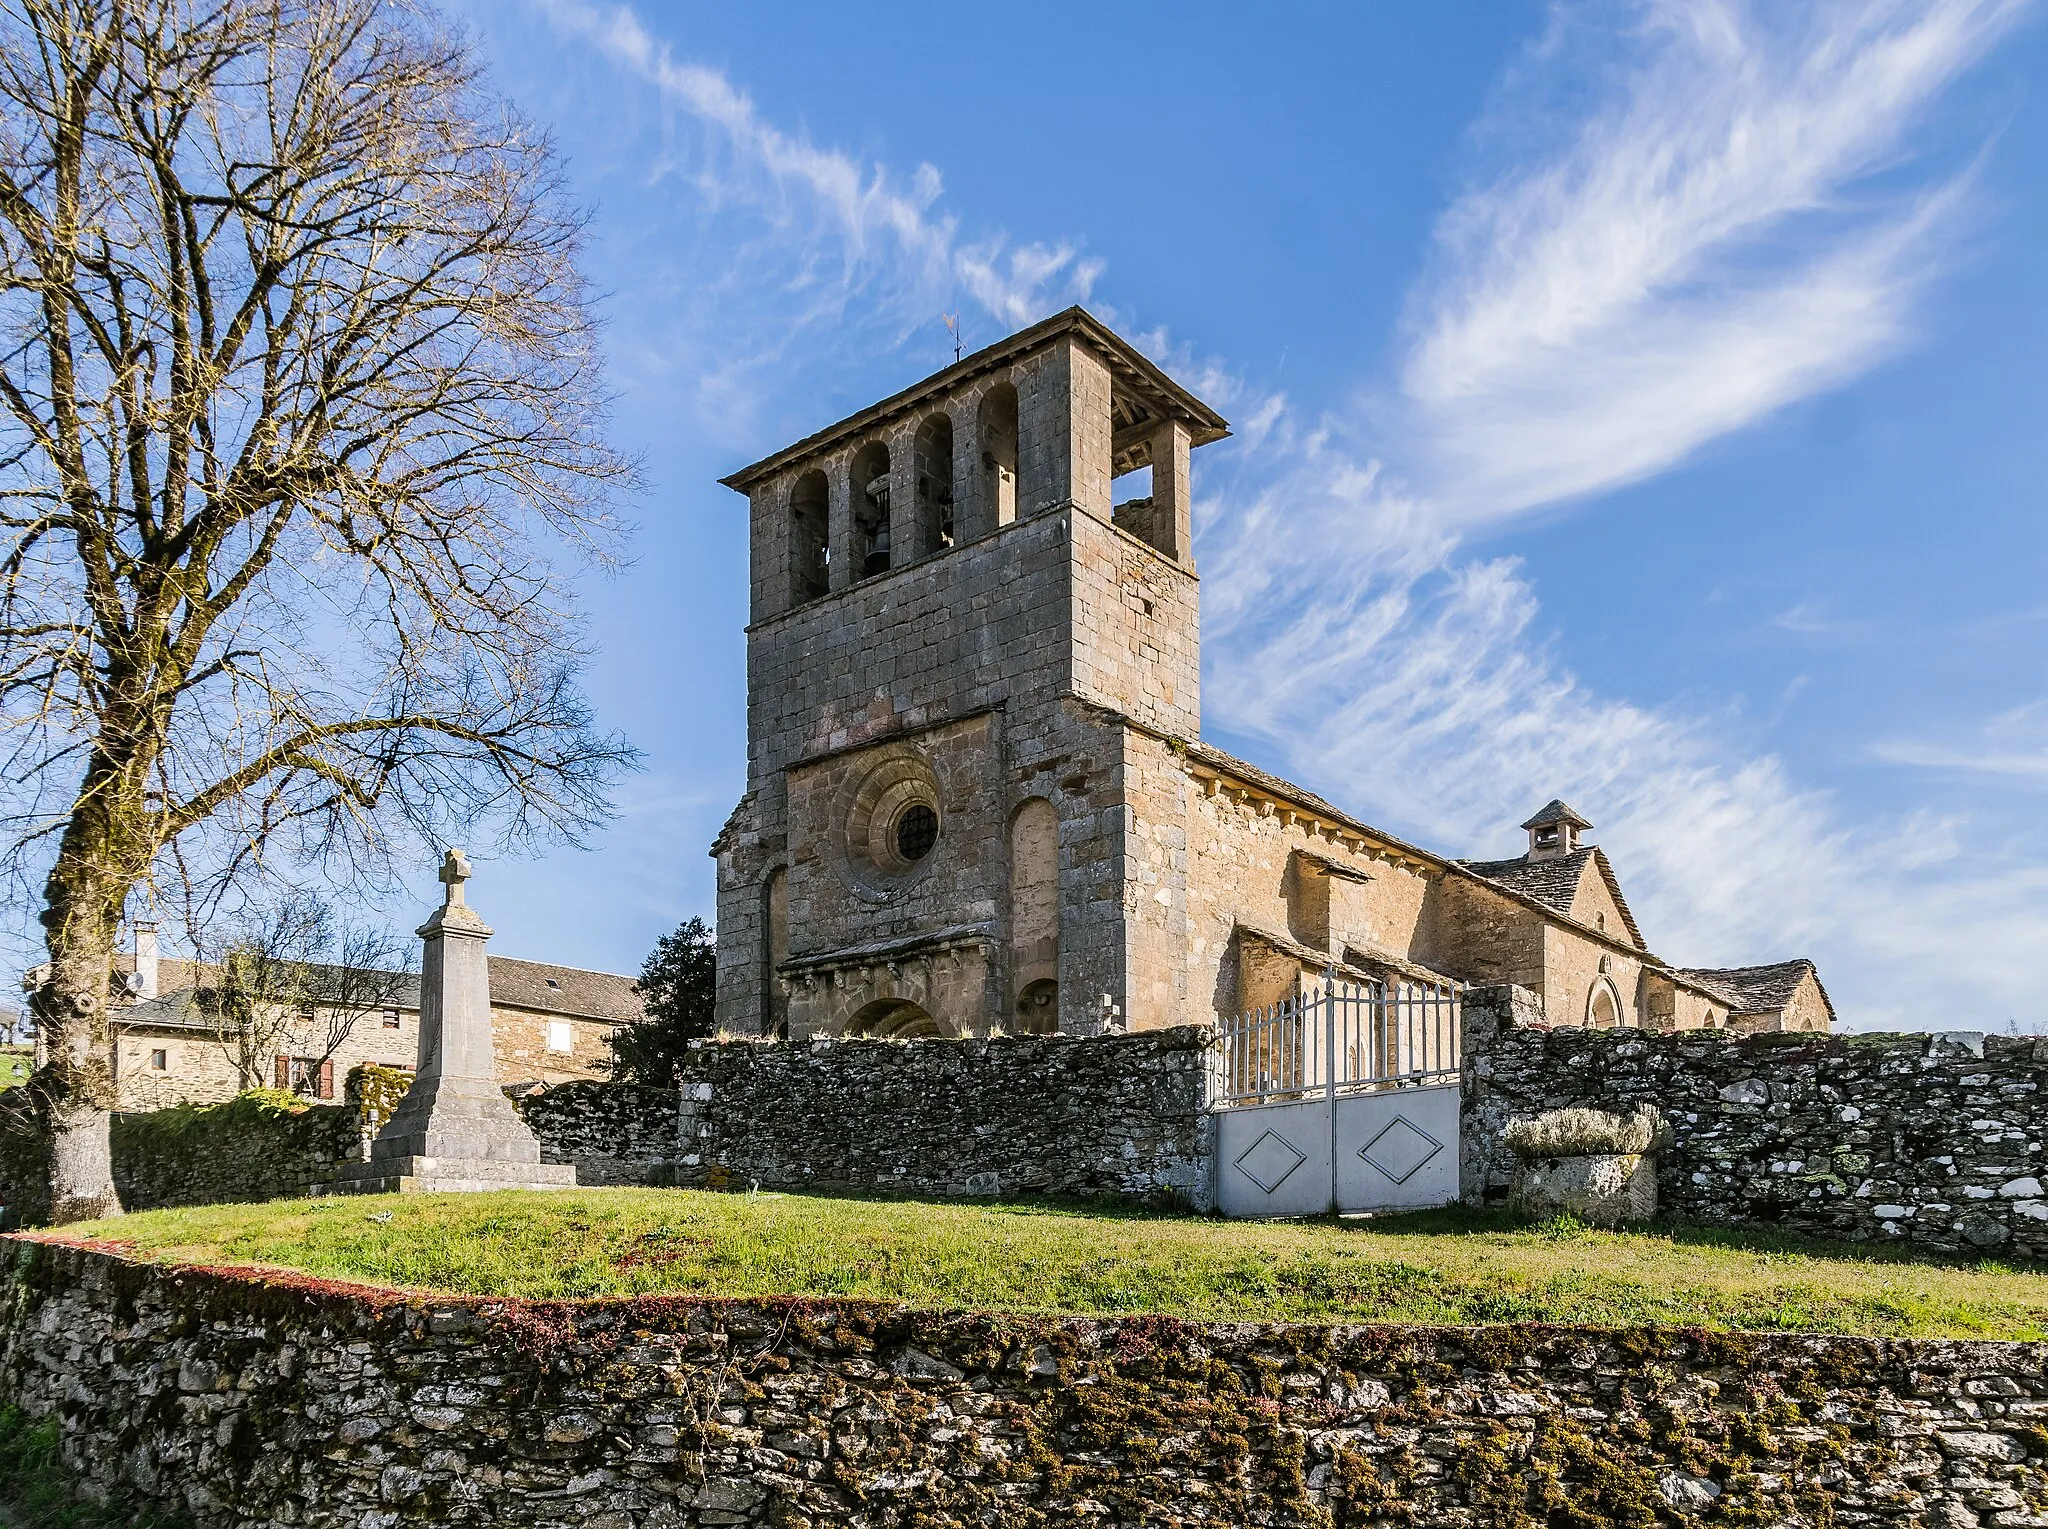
(145, 960)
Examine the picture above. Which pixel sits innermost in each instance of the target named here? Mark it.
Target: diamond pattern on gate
(1268, 1161)
(1400, 1148)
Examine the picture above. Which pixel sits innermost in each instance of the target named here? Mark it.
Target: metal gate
(1342, 1098)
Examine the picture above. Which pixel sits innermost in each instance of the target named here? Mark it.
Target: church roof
(1502, 874)
(1555, 811)
(1131, 369)
(1553, 882)
(1757, 989)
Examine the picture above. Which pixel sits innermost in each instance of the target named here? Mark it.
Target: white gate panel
(1341, 1097)
(1397, 1148)
(1274, 1159)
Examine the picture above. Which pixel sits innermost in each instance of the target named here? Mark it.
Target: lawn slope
(1453, 1268)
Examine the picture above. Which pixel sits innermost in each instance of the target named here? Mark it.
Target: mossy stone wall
(1123, 1115)
(244, 1402)
(258, 1146)
(1935, 1140)
(267, 1145)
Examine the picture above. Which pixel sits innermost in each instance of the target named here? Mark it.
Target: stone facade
(977, 798)
(1050, 1115)
(241, 1401)
(550, 1024)
(1933, 1140)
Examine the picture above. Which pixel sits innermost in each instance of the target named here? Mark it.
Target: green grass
(16, 1063)
(1448, 1268)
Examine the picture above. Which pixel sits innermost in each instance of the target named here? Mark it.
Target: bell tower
(1554, 831)
(963, 599)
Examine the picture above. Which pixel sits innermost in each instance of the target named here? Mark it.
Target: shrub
(1586, 1133)
(40, 1493)
(375, 1091)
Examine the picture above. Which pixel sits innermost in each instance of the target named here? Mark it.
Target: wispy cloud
(1708, 244)
(1734, 224)
(2012, 746)
(857, 220)
(1712, 243)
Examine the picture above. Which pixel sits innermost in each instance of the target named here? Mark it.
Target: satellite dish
(134, 982)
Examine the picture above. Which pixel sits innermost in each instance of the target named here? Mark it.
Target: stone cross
(455, 1129)
(454, 872)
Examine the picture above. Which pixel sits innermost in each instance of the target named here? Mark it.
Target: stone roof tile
(1555, 880)
(1756, 989)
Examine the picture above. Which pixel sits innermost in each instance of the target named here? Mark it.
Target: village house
(550, 1024)
(977, 793)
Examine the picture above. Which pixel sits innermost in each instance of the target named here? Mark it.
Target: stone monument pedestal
(455, 1129)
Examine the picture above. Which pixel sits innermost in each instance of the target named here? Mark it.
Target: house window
(560, 1036)
(308, 1076)
(391, 1019)
(160, 1061)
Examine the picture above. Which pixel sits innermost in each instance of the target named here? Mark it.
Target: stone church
(977, 793)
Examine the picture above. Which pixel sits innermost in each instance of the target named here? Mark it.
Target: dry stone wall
(1933, 1140)
(247, 1149)
(1056, 1114)
(252, 1148)
(242, 1402)
(615, 1133)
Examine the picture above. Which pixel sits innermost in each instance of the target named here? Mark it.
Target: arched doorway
(1603, 1007)
(894, 1019)
(1038, 1008)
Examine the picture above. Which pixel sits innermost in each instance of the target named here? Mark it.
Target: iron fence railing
(1344, 1036)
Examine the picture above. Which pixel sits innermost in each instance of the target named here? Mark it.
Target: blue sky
(1634, 403)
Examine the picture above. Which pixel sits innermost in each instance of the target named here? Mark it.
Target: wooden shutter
(284, 1072)
(327, 1078)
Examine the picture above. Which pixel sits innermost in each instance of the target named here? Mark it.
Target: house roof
(1359, 964)
(1131, 368)
(179, 1009)
(1555, 811)
(1554, 881)
(566, 990)
(1758, 989)
(535, 985)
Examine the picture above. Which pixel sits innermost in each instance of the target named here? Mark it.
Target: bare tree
(294, 982)
(301, 444)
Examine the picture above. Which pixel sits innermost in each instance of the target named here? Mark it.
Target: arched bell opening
(868, 487)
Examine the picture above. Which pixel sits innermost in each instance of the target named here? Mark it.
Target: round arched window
(917, 830)
(892, 821)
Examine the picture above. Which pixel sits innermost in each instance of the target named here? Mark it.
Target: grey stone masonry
(1933, 1140)
(610, 1133)
(1055, 1115)
(975, 671)
(245, 1402)
(455, 1129)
